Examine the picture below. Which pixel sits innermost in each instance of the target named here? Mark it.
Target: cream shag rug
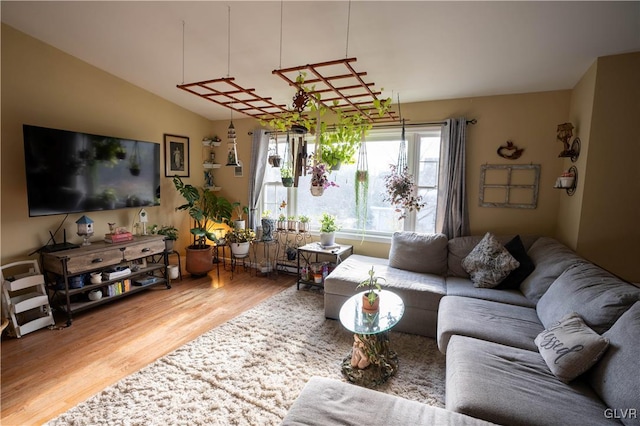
(249, 370)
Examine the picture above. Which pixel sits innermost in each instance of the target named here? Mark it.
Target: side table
(266, 265)
(338, 253)
(371, 361)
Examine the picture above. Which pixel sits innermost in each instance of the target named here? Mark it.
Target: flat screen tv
(71, 172)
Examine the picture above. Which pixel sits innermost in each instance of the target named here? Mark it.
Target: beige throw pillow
(489, 262)
(570, 348)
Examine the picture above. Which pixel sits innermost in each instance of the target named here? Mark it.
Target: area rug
(249, 370)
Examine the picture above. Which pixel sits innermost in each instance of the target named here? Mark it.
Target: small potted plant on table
(371, 299)
(239, 239)
(328, 228)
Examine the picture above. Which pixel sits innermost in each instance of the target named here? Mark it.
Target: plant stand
(383, 360)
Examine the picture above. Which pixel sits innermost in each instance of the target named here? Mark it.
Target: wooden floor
(46, 372)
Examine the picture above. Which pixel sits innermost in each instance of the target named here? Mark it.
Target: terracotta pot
(367, 307)
(317, 191)
(199, 260)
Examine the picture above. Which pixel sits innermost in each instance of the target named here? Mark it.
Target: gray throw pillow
(413, 251)
(570, 347)
(590, 291)
(489, 262)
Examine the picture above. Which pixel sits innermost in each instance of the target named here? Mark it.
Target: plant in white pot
(239, 239)
(328, 228)
(240, 212)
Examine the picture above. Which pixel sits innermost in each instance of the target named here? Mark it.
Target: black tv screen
(71, 172)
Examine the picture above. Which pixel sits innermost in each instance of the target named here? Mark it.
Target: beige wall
(581, 111)
(46, 87)
(609, 227)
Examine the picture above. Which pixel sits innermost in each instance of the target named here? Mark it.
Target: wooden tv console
(67, 271)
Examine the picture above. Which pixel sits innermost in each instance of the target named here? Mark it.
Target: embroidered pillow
(489, 262)
(570, 347)
(517, 250)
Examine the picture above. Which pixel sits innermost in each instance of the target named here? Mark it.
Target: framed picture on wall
(176, 155)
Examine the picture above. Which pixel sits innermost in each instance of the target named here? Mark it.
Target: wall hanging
(511, 186)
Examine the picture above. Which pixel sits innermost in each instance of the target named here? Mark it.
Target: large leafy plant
(205, 208)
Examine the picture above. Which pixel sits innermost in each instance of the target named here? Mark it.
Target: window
(380, 218)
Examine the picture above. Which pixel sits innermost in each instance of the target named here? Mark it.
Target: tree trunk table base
(371, 361)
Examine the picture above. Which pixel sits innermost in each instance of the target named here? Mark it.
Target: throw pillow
(413, 251)
(489, 262)
(517, 250)
(570, 347)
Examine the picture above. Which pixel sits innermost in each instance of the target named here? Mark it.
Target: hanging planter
(317, 191)
(319, 179)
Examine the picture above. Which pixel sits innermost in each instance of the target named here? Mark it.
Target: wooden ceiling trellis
(332, 80)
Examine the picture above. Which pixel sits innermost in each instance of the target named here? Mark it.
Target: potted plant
(319, 179)
(170, 236)
(371, 299)
(239, 239)
(328, 228)
(282, 221)
(206, 209)
(303, 223)
(240, 212)
(292, 223)
(286, 174)
(402, 191)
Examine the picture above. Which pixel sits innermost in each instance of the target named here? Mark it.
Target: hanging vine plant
(402, 191)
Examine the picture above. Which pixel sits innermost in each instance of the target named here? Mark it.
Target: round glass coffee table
(371, 361)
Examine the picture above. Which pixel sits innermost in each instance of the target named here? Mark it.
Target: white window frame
(412, 136)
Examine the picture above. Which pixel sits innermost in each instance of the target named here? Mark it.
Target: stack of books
(119, 237)
(118, 288)
(115, 273)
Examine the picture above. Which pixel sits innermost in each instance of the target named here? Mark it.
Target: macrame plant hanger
(401, 166)
(362, 185)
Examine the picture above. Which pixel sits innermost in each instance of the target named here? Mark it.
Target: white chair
(24, 297)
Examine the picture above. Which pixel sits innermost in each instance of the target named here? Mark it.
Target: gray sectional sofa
(495, 367)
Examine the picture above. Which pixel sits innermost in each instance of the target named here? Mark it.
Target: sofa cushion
(616, 377)
(511, 325)
(590, 291)
(457, 286)
(551, 259)
(326, 401)
(460, 247)
(515, 278)
(489, 262)
(418, 252)
(511, 386)
(416, 289)
(570, 347)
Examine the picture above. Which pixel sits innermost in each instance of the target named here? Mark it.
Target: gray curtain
(259, 153)
(452, 218)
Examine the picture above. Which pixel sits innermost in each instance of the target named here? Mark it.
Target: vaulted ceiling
(419, 50)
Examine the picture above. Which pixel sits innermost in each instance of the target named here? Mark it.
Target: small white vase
(239, 224)
(327, 239)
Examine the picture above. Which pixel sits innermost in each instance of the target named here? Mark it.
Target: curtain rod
(394, 126)
(427, 123)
